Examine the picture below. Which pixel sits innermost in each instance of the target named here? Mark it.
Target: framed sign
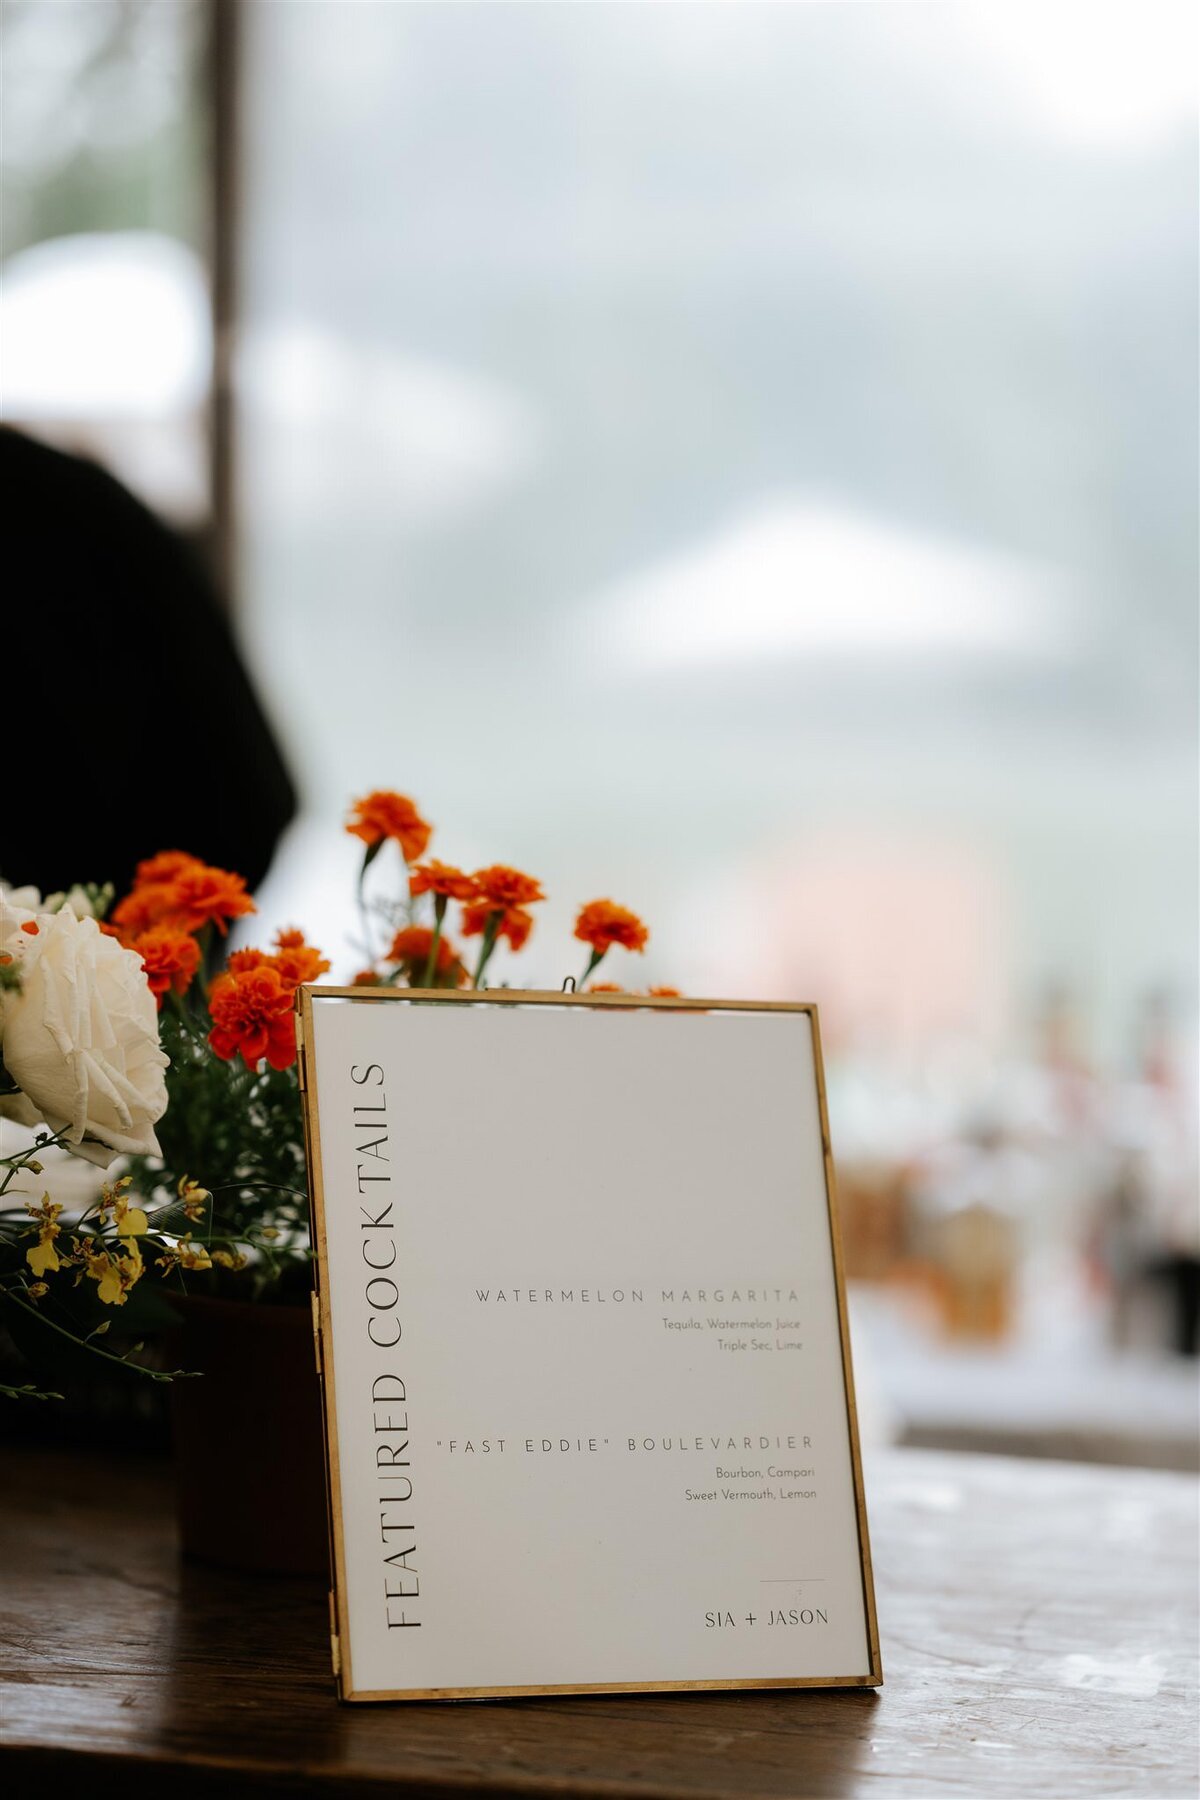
(582, 1331)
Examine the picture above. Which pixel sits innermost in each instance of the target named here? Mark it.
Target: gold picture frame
(325, 1349)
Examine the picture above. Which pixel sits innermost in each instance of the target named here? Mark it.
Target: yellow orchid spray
(44, 1256)
(114, 1272)
(193, 1198)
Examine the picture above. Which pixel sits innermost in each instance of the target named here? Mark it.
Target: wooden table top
(1038, 1624)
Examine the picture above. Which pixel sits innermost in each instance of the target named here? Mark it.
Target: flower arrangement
(130, 1036)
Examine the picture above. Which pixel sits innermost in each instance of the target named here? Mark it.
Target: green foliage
(240, 1134)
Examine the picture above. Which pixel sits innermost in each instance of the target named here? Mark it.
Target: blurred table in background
(1052, 1391)
(1038, 1624)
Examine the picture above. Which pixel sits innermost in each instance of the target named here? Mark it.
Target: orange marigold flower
(252, 1016)
(502, 887)
(386, 815)
(170, 959)
(163, 867)
(515, 922)
(294, 963)
(296, 959)
(604, 987)
(442, 879)
(411, 946)
(241, 960)
(140, 911)
(366, 978)
(602, 924)
(301, 962)
(503, 897)
(664, 993)
(201, 895)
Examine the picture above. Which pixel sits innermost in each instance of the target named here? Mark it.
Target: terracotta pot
(248, 1438)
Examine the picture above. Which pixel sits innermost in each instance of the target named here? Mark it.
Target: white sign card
(581, 1323)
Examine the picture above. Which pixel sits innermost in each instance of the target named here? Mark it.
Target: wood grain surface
(1039, 1639)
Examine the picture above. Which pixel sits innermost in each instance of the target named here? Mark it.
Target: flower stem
(594, 961)
(92, 1349)
(18, 1162)
(439, 914)
(490, 930)
(364, 917)
(208, 946)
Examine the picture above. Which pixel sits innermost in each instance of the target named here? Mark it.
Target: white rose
(26, 898)
(79, 1036)
(17, 908)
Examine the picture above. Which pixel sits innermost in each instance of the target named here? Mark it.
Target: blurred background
(741, 459)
